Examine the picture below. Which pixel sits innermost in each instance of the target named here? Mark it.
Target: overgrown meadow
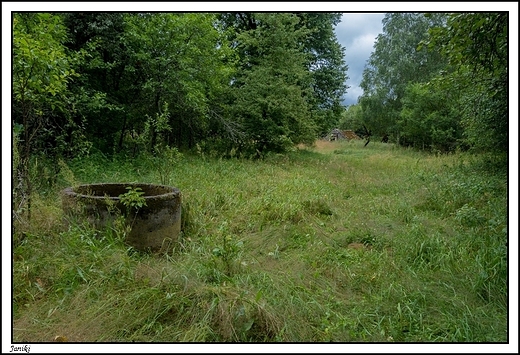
(331, 243)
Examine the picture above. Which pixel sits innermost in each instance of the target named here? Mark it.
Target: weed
(228, 251)
(164, 162)
(133, 199)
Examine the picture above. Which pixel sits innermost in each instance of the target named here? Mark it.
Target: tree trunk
(121, 137)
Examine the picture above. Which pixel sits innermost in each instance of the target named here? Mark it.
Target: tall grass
(337, 242)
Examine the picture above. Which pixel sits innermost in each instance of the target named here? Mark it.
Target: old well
(156, 226)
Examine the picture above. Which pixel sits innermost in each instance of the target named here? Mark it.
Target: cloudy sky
(357, 33)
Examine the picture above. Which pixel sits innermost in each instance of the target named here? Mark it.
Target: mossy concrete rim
(113, 190)
(155, 226)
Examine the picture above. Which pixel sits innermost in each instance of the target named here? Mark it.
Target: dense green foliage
(141, 63)
(427, 120)
(394, 64)
(476, 45)
(440, 81)
(327, 68)
(269, 91)
(42, 104)
(264, 84)
(42, 69)
(290, 78)
(340, 243)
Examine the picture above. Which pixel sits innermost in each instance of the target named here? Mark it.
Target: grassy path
(332, 243)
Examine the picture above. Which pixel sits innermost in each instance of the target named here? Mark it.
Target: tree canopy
(476, 45)
(394, 63)
(439, 81)
(250, 81)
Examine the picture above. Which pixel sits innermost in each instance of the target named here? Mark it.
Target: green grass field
(336, 242)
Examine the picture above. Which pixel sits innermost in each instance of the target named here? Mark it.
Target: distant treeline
(438, 82)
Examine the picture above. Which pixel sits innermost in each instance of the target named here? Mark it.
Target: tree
(395, 63)
(272, 85)
(323, 59)
(430, 118)
(42, 71)
(141, 61)
(327, 66)
(183, 62)
(476, 44)
(105, 90)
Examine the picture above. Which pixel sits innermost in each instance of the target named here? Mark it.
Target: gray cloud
(357, 33)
